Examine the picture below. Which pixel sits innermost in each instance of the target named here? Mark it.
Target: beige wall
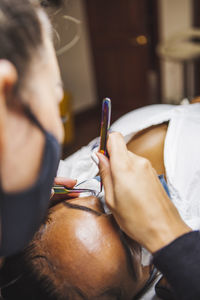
(174, 16)
(76, 64)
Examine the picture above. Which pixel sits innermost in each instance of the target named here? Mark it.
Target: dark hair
(20, 33)
(47, 3)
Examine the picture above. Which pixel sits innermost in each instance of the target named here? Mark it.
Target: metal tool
(105, 126)
(63, 190)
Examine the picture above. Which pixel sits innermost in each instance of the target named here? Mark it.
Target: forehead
(86, 248)
(83, 222)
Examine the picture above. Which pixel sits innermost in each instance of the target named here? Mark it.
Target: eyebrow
(47, 217)
(84, 208)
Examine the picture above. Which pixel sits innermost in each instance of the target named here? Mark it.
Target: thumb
(106, 177)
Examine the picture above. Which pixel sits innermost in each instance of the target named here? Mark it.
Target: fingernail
(52, 193)
(95, 158)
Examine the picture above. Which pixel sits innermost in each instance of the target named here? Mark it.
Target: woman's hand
(137, 198)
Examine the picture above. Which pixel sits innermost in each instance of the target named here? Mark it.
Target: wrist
(165, 234)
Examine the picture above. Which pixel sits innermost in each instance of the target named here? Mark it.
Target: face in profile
(33, 77)
(84, 255)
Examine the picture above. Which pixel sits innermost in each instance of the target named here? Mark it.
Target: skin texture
(149, 144)
(86, 250)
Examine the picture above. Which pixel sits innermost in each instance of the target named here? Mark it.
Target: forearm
(180, 264)
(145, 212)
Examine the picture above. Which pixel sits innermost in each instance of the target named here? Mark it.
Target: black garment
(180, 264)
(23, 212)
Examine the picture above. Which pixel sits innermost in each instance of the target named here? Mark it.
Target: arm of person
(148, 216)
(179, 262)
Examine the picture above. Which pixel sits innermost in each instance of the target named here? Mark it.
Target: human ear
(8, 78)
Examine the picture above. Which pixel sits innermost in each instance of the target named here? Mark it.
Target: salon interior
(136, 52)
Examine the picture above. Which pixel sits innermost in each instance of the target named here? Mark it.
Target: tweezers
(58, 189)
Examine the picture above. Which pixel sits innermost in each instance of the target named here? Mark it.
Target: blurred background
(137, 52)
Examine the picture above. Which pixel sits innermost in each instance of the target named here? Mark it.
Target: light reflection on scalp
(89, 232)
(104, 211)
(130, 256)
